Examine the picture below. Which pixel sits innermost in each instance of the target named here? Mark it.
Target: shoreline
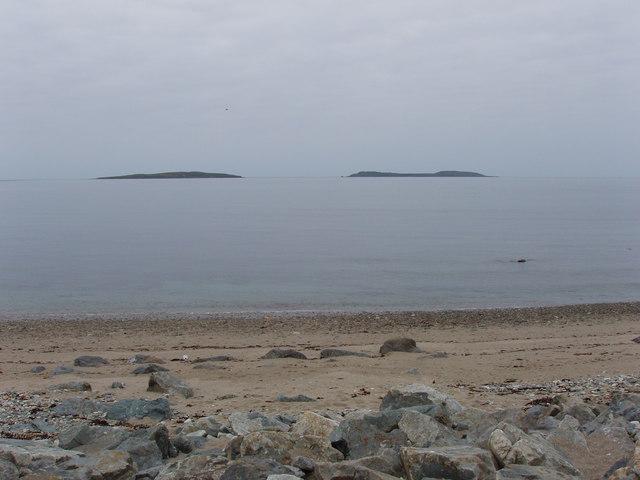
(491, 314)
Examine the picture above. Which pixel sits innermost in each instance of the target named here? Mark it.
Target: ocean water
(90, 246)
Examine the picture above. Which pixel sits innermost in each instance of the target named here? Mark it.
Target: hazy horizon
(291, 89)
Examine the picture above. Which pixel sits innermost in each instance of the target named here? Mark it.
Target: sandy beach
(462, 352)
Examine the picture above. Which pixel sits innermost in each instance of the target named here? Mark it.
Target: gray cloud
(319, 88)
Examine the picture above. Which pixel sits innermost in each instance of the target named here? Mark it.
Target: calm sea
(316, 244)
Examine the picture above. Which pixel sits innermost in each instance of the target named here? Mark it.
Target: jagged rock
(500, 445)
(73, 386)
(80, 435)
(8, 471)
(362, 434)
(90, 361)
(284, 447)
(160, 435)
(580, 411)
(23, 453)
(284, 353)
(183, 444)
(122, 410)
(348, 470)
(148, 474)
(62, 370)
(244, 423)
(144, 358)
(336, 352)
(164, 382)
(252, 468)
(423, 431)
(399, 345)
(417, 395)
(527, 472)
(293, 398)
(305, 464)
(150, 368)
(310, 423)
(531, 449)
(38, 369)
(144, 452)
(455, 463)
(209, 424)
(200, 467)
(113, 465)
(117, 385)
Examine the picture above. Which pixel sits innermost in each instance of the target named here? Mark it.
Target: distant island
(144, 176)
(443, 173)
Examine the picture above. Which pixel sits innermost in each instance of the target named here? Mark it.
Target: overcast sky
(319, 88)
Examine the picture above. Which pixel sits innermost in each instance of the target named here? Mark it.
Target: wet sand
(461, 352)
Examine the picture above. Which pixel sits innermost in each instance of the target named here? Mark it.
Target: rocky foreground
(572, 430)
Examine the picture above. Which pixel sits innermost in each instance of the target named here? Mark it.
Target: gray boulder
(283, 353)
(145, 358)
(200, 467)
(62, 370)
(253, 468)
(348, 470)
(164, 382)
(73, 386)
(150, 368)
(424, 431)
(215, 358)
(399, 345)
(244, 423)
(90, 361)
(284, 447)
(527, 472)
(79, 436)
(363, 434)
(336, 352)
(38, 369)
(293, 398)
(455, 463)
(417, 395)
(113, 465)
(8, 471)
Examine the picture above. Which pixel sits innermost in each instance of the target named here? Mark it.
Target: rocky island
(165, 175)
(442, 173)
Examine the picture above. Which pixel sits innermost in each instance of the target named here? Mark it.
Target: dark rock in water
(636, 340)
(164, 382)
(293, 398)
(90, 361)
(336, 352)
(122, 410)
(116, 385)
(254, 468)
(284, 353)
(151, 368)
(144, 358)
(62, 369)
(399, 345)
(38, 369)
(521, 260)
(362, 435)
(215, 358)
(8, 471)
(73, 386)
(461, 462)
